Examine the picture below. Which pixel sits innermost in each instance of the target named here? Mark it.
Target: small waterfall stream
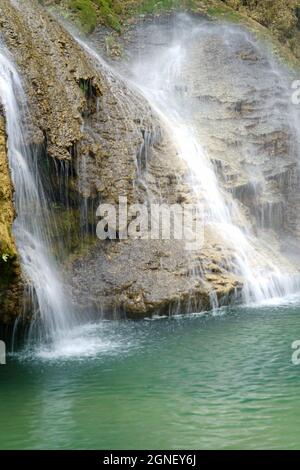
(33, 224)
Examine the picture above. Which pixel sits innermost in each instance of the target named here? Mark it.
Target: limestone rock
(11, 288)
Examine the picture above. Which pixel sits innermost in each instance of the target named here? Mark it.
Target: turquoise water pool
(223, 381)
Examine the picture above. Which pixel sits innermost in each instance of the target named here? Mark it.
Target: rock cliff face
(245, 121)
(10, 275)
(255, 145)
(90, 121)
(94, 132)
(281, 17)
(278, 15)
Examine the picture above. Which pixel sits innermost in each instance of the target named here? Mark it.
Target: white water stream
(264, 279)
(33, 224)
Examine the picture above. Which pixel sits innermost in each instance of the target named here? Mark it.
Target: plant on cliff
(89, 12)
(109, 10)
(85, 12)
(150, 6)
(278, 15)
(282, 17)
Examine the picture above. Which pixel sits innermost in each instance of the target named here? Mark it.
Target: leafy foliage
(86, 13)
(90, 12)
(5, 257)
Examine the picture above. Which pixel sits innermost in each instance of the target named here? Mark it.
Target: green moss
(67, 223)
(108, 13)
(68, 238)
(224, 14)
(86, 13)
(112, 13)
(150, 6)
(89, 12)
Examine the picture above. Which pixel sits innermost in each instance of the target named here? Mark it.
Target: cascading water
(32, 228)
(160, 80)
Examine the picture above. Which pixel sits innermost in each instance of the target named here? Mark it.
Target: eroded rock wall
(10, 274)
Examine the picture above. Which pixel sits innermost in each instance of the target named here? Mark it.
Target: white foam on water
(88, 341)
(83, 342)
(286, 301)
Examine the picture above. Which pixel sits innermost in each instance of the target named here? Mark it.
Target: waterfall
(33, 225)
(160, 79)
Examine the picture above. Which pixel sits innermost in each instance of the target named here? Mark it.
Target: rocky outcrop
(278, 15)
(144, 278)
(252, 144)
(252, 153)
(80, 113)
(10, 275)
(250, 148)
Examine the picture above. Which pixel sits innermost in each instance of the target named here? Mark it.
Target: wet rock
(11, 285)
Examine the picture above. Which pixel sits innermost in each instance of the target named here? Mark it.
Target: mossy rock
(88, 13)
(85, 13)
(224, 14)
(151, 6)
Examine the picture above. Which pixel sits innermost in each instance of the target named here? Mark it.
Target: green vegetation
(225, 14)
(89, 12)
(150, 6)
(280, 17)
(67, 227)
(109, 10)
(86, 14)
